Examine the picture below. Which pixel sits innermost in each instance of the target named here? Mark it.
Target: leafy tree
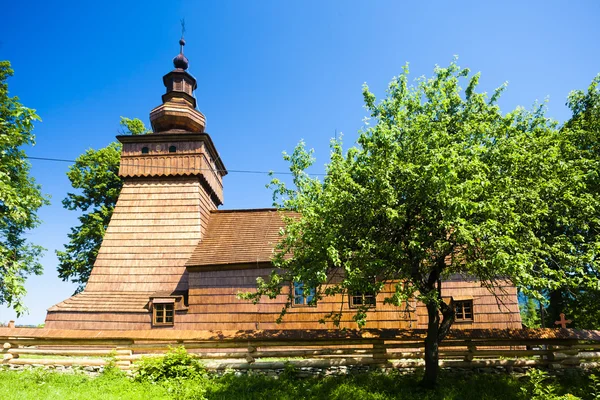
(581, 144)
(20, 197)
(529, 314)
(442, 183)
(96, 175)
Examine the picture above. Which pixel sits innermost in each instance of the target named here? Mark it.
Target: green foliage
(20, 197)
(530, 316)
(581, 139)
(176, 364)
(539, 387)
(594, 387)
(182, 375)
(441, 183)
(133, 127)
(40, 384)
(95, 176)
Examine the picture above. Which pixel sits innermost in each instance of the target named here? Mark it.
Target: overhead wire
(239, 171)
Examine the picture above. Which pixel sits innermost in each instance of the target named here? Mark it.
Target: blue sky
(269, 74)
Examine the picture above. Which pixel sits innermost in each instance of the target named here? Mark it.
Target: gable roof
(239, 237)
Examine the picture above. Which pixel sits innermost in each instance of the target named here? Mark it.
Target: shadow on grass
(365, 387)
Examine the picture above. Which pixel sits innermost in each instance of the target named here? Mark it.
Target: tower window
(172, 149)
(145, 150)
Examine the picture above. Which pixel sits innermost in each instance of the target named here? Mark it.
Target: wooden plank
(84, 362)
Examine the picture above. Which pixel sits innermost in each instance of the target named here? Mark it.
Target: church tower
(172, 179)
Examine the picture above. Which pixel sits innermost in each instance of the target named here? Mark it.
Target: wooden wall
(154, 229)
(191, 158)
(489, 310)
(213, 305)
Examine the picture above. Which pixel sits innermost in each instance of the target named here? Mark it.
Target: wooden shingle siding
(139, 211)
(239, 236)
(191, 158)
(213, 304)
(489, 310)
(156, 226)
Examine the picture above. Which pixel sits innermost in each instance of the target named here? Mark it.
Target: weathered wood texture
(192, 157)
(497, 309)
(239, 236)
(213, 304)
(155, 227)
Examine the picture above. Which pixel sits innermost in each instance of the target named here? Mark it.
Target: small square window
(172, 149)
(359, 299)
(145, 150)
(164, 314)
(303, 295)
(464, 310)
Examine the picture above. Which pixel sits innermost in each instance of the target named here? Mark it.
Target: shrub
(539, 387)
(176, 364)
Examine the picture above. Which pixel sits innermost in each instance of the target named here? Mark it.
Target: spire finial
(180, 61)
(182, 40)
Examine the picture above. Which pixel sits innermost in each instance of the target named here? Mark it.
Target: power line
(238, 171)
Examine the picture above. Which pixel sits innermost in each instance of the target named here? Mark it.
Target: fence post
(471, 352)
(123, 358)
(249, 357)
(6, 356)
(380, 352)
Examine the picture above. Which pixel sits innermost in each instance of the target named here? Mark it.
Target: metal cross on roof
(562, 321)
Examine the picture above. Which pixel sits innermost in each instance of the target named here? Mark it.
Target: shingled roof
(105, 302)
(239, 237)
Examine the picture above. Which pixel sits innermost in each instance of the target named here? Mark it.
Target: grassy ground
(40, 384)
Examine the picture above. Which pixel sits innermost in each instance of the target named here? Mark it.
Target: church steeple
(178, 112)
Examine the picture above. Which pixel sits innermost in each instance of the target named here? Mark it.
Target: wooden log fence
(259, 350)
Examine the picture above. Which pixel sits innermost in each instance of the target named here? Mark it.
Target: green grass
(42, 384)
(39, 384)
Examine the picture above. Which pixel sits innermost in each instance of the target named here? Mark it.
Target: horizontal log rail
(244, 350)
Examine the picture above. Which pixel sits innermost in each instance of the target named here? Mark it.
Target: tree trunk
(431, 347)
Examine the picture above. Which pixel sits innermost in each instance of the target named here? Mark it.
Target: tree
(529, 314)
(96, 174)
(442, 183)
(20, 197)
(581, 139)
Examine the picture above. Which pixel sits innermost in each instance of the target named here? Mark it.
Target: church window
(360, 299)
(163, 314)
(172, 149)
(303, 295)
(145, 150)
(464, 310)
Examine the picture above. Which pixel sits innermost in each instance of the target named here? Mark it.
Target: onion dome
(180, 61)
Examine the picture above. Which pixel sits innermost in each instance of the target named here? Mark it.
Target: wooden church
(171, 260)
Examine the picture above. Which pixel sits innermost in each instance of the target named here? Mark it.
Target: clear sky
(269, 74)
